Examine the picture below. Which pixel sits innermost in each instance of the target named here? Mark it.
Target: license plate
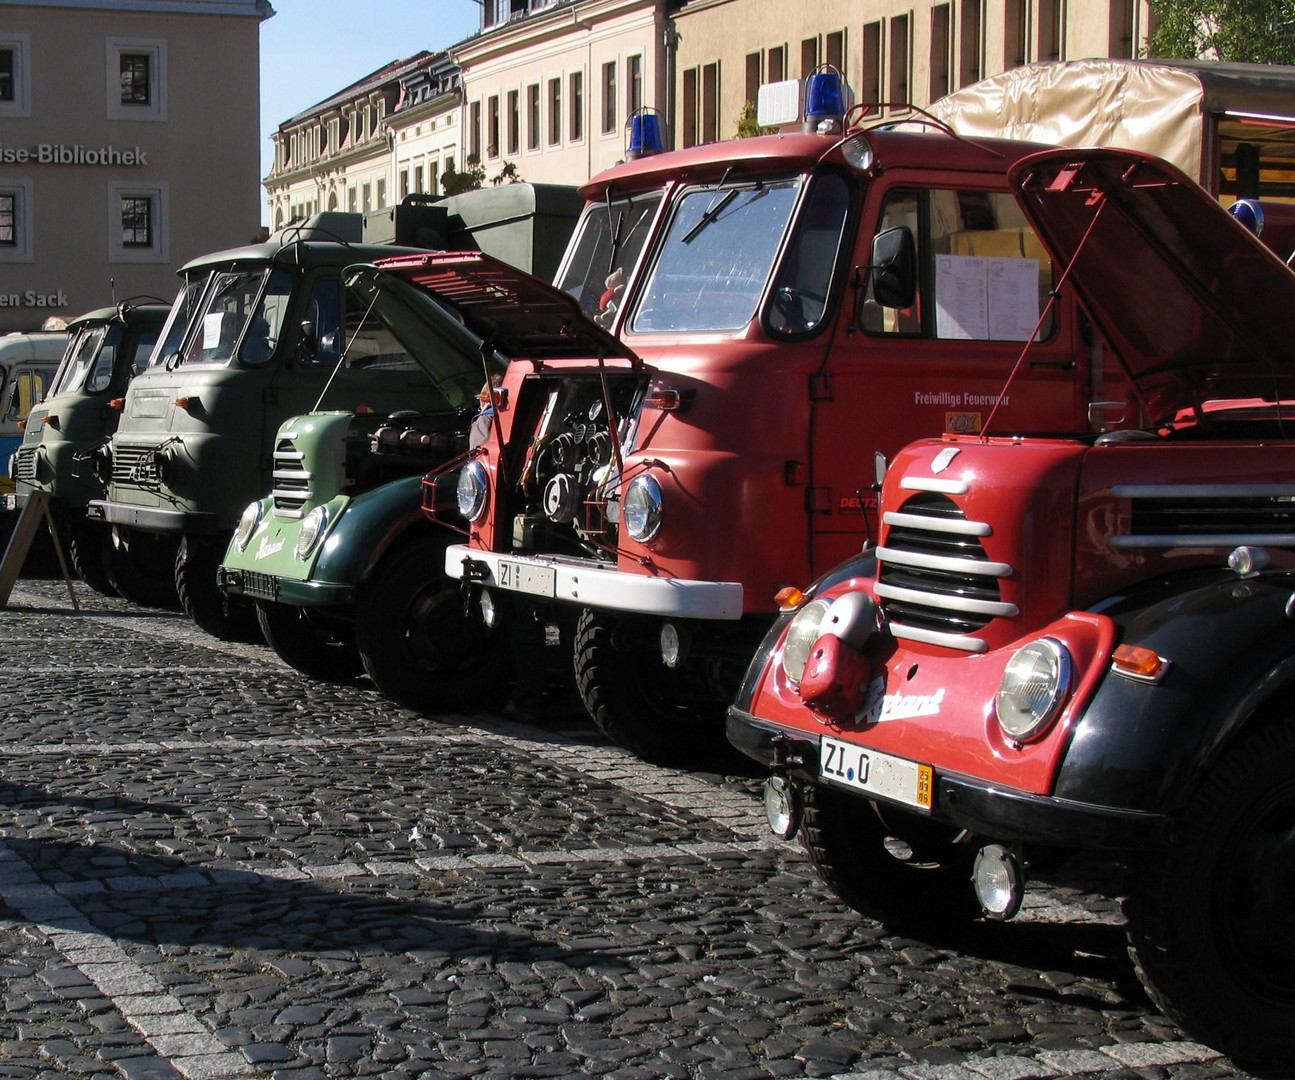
(880, 774)
(522, 577)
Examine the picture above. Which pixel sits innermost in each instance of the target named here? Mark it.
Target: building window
(418, 178)
(137, 223)
(434, 170)
(533, 116)
(404, 182)
(15, 213)
(136, 79)
(870, 86)
(689, 120)
(514, 125)
(834, 52)
(899, 61)
(1050, 24)
(15, 84)
(609, 97)
(351, 197)
(492, 126)
(366, 198)
(778, 63)
(633, 85)
(555, 111)
(969, 43)
(1014, 34)
(940, 42)
(710, 103)
(1122, 15)
(753, 77)
(808, 57)
(577, 122)
(474, 130)
(382, 192)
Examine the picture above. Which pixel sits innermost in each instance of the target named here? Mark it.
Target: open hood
(515, 314)
(1195, 306)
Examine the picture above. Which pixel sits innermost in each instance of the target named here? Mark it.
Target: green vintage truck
(107, 348)
(340, 542)
(267, 328)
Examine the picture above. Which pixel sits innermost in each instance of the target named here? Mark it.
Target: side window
(804, 282)
(101, 371)
(323, 343)
(982, 272)
(266, 323)
(604, 254)
(29, 390)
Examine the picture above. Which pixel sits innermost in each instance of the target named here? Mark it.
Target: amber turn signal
(1140, 662)
(789, 597)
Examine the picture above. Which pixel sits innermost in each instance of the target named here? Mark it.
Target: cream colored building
(127, 147)
(889, 52)
(549, 86)
(392, 133)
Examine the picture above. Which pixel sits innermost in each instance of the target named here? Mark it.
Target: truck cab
(798, 301)
(1082, 645)
(107, 348)
(27, 364)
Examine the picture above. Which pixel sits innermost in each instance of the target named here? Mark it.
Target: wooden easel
(33, 513)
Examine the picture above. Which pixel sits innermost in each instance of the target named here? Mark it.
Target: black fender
(1230, 643)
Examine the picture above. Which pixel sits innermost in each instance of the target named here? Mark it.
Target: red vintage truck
(794, 302)
(1079, 645)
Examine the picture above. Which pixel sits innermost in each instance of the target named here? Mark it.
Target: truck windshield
(716, 258)
(177, 320)
(230, 307)
(602, 254)
(79, 358)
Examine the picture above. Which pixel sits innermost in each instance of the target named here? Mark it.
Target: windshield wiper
(709, 216)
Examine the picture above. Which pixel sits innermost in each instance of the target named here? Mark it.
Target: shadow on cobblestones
(159, 901)
(26, 796)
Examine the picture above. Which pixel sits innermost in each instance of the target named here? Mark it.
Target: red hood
(1189, 299)
(517, 314)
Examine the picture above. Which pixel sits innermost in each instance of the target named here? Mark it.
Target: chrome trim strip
(933, 637)
(921, 521)
(931, 483)
(1204, 540)
(940, 562)
(947, 603)
(1201, 491)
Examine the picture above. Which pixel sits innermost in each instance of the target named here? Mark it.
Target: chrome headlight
(313, 526)
(472, 490)
(805, 629)
(247, 525)
(1034, 687)
(641, 509)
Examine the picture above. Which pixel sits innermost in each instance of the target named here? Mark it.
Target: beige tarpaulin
(1164, 108)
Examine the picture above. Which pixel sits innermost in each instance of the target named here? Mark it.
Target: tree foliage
(473, 176)
(1248, 31)
(747, 125)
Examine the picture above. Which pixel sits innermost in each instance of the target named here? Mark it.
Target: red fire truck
(796, 302)
(1079, 645)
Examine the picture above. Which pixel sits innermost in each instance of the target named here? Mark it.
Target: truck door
(892, 375)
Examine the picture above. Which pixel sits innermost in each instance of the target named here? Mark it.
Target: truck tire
(638, 703)
(141, 567)
(202, 599)
(417, 644)
(905, 873)
(87, 544)
(290, 632)
(1212, 920)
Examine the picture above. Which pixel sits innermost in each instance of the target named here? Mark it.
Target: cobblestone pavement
(211, 867)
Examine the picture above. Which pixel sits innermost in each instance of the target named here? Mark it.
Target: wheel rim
(439, 637)
(1253, 903)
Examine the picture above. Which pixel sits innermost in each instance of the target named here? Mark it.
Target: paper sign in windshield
(986, 299)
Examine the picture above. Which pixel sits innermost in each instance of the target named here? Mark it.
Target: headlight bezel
(805, 628)
(311, 531)
(247, 525)
(1025, 715)
(642, 522)
(475, 484)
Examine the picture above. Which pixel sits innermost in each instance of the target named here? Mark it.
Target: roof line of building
(384, 74)
(259, 9)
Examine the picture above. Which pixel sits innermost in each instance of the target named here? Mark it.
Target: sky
(311, 49)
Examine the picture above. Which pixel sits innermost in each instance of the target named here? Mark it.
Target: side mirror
(894, 268)
(308, 344)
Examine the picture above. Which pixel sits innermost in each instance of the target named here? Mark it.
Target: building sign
(71, 154)
(33, 299)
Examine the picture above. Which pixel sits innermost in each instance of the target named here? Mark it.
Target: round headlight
(247, 525)
(805, 629)
(641, 508)
(1034, 687)
(312, 528)
(472, 490)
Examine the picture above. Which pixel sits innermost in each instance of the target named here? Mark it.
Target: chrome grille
(134, 466)
(1207, 515)
(291, 481)
(936, 582)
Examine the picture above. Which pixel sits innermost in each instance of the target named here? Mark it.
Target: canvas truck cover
(1191, 113)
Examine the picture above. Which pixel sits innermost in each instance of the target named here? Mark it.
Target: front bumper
(151, 518)
(577, 582)
(280, 590)
(988, 810)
